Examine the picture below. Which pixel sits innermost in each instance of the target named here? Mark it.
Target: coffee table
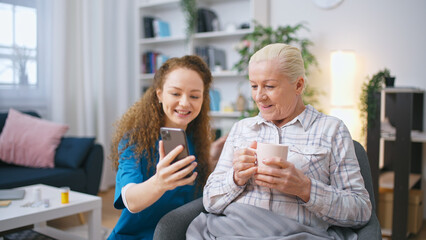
(18, 215)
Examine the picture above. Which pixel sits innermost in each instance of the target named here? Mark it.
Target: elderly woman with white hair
(318, 186)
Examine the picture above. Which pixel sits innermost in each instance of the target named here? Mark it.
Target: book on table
(12, 194)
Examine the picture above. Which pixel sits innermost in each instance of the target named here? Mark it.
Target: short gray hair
(289, 58)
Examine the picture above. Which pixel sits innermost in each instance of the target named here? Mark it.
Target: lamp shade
(343, 66)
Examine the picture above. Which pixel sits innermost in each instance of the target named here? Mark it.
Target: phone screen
(173, 137)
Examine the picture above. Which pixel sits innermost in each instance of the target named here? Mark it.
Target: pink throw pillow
(30, 141)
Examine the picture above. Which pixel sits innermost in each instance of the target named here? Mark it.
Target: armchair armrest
(93, 168)
(173, 225)
(371, 230)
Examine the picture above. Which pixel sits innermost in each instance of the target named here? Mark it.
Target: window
(18, 44)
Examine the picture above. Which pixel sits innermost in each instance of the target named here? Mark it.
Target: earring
(159, 101)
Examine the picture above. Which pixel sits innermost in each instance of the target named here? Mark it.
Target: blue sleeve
(129, 171)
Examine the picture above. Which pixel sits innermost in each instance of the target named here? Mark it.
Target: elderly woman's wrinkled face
(276, 97)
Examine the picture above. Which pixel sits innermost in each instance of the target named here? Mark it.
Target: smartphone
(173, 137)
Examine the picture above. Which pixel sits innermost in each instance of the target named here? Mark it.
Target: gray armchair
(174, 224)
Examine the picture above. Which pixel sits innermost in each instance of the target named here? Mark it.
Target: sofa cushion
(17, 176)
(30, 141)
(72, 151)
(3, 116)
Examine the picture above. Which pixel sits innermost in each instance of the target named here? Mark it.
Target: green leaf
(368, 103)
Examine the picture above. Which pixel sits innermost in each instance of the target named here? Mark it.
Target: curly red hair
(142, 121)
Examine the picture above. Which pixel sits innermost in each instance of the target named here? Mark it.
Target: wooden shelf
(402, 90)
(386, 232)
(416, 136)
(387, 179)
(403, 107)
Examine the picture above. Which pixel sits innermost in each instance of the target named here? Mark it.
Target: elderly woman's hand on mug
(284, 177)
(244, 164)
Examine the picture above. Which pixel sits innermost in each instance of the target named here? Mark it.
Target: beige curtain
(95, 69)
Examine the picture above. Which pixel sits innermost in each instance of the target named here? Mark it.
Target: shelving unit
(161, 40)
(216, 114)
(231, 14)
(397, 156)
(222, 34)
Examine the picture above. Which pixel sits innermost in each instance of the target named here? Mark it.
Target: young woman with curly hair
(148, 184)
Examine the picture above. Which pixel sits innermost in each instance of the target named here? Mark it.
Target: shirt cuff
(318, 199)
(123, 195)
(232, 187)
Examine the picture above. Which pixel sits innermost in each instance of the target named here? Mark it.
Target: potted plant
(368, 102)
(262, 36)
(389, 80)
(189, 8)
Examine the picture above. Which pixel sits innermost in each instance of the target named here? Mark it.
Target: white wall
(383, 33)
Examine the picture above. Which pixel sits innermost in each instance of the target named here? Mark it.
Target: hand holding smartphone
(173, 137)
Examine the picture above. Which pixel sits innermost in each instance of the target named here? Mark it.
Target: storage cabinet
(395, 149)
(231, 15)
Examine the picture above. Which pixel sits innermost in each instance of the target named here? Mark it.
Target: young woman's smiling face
(276, 97)
(181, 97)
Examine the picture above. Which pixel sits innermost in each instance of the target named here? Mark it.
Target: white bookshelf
(218, 114)
(223, 34)
(145, 42)
(158, 4)
(227, 81)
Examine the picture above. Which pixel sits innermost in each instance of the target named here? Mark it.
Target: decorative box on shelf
(415, 210)
(385, 206)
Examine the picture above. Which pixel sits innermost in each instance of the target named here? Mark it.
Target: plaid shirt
(322, 148)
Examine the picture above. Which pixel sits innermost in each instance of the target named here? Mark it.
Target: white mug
(268, 150)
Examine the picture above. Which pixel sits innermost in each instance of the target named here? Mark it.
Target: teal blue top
(141, 225)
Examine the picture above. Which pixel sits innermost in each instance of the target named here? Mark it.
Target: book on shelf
(207, 20)
(160, 60)
(212, 56)
(214, 99)
(217, 57)
(161, 28)
(155, 27)
(148, 28)
(142, 62)
(152, 61)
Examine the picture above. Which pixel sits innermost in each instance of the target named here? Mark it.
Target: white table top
(16, 215)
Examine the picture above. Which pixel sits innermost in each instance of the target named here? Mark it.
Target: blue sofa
(78, 165)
